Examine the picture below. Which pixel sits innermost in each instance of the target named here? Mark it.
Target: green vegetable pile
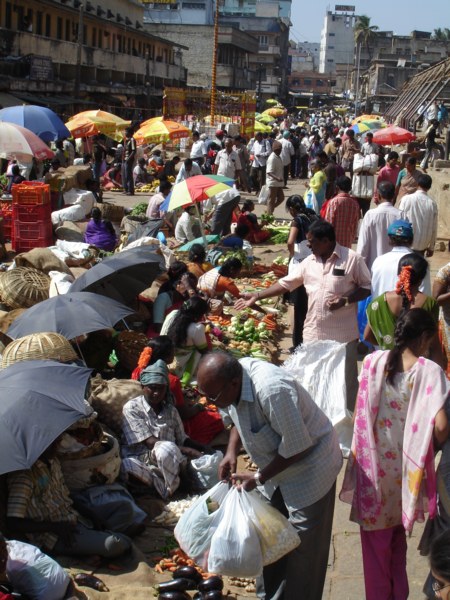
(279, 234)
(139, 209)
(240, 254)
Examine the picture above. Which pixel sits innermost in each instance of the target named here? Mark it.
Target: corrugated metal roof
(421, 90)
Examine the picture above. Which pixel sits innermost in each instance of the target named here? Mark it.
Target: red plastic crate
(25, 245)
(30, 213)
(31, 192)
(33, 231)
(7, 227)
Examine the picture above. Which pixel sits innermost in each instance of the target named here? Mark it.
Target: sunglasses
(437, 588)
(211, 399)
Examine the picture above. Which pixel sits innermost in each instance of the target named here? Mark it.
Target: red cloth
(6, 596)
(256, 235)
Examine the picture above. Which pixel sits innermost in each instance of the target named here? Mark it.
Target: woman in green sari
(384, 311)
(185, 329)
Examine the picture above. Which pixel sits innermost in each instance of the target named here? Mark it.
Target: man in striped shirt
(343, 212)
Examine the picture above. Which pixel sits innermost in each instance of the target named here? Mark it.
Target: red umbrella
(393, 135)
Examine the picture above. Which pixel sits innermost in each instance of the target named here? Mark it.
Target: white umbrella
(16, 141)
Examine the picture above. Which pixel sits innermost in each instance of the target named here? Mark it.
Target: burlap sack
(108, 398)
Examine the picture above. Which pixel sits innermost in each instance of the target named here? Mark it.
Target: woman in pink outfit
(390, 477)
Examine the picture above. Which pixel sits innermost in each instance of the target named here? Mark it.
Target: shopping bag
(207, 468)
(196, 526)
(264, 194)
(235, 547)
(277, 536)
(311, 201)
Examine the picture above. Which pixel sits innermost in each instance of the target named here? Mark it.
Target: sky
(400, 16)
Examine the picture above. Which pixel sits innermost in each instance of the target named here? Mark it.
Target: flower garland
(404, 282)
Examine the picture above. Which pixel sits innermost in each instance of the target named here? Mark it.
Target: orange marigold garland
(404, 282)
(143, 362)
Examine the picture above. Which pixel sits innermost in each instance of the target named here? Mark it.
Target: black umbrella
(40, 400)
(70, 315)
(122, 276)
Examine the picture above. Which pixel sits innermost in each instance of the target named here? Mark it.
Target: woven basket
(128, 346)
(38, 346)
(23, 287)
(94, 449)
(112, 212)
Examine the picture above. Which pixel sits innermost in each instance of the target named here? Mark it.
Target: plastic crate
(31, 192)
(30, 213)
(33, 231)
(26, 245)
(6, 216)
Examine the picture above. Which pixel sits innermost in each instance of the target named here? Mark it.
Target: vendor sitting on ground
(201, 425)
(216, 282)
(256, 235)
(100, 232)
(187, 331)
(182, 289)
(188, 226)
(140, 174)
(197, 260)
(236, 239)
(156, 447)
(112, 179)
(39, 507)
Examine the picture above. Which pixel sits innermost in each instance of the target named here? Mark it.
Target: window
(263, 42)
(8, 16)
(48, 26)
(67, 36)
(194, 5)
(59, 28)
(330, 60)
(330, 47)
(307, 82)
(94, 37)
(320, 83)
(332, 34)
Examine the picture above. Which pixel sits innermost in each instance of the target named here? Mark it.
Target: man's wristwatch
(346, 300)
(257, 478)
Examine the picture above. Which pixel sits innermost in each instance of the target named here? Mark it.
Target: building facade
(74, 53)
(337, 46)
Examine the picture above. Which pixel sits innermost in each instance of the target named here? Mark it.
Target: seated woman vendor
(186, 330)
(256, 235)
(197, 260)
(155, 446)
(201, 424)
(216, 282)
(236, 239)
(100, 232)
(182, 289)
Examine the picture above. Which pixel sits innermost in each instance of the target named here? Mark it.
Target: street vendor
(40, 507)
(297, 453)
(216, 282)
(156, 447)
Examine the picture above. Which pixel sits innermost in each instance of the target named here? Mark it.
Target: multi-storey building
(70, 53)
(337, 45)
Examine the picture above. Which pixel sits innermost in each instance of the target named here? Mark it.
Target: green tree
(441, 34)
(365, 33)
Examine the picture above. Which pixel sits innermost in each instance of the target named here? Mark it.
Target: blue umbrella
(40, 120)
(40, 400)
(70, 315)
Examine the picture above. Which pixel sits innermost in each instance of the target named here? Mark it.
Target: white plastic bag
(207, 468)
(34, 574)
(235, 547)
(320, 366)
(277, 536)
(311, 201)
(264, 194)
(196, 526)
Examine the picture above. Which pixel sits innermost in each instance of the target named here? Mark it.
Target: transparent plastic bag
(235, 546)
(207, 468)
(277, 536)
(197, 525)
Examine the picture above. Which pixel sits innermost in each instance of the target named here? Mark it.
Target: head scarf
(158, 373)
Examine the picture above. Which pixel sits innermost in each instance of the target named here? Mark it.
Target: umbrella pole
(205, 241)
(81, 354)
(126, 325)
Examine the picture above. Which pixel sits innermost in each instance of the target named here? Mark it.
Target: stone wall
(440, 191)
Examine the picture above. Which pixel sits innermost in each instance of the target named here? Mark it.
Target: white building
(337, 41)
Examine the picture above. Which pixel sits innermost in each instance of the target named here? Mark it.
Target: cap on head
(219, 133)
(401, 229)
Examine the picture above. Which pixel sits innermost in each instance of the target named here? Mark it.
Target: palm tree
(442, 35)
(365, 32)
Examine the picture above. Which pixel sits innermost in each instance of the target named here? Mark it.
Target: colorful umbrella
(93, 122)
(16, 141)
(158, 131)
(360, 127)
(195, 189)
(367, 118)
(393, 135)
(40, 120)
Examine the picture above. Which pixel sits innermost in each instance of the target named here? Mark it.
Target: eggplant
(174, 596)
(176, 585)
(213, 595)
(211, 584)
(188, 573)
(198, 596)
